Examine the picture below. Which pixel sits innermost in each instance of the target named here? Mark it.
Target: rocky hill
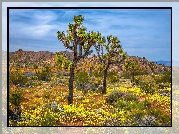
(28, 58)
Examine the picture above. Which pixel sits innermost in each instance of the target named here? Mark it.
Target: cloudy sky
(142, 32)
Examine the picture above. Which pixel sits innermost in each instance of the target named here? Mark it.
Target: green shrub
(148, 85)
(129, 105)
(135, 118)
(114, 96)
(81, 78)
(113, 77)
(126, 75)
(162, 118)
(34, 77)
(18, 78)
(48, 119)
(16, 97)
(43, 76)
(130, 97)
(137, 80)
(146, 104)
(121, 104)
(98, 73)
(137, 105)
(166, 77)
(45, 73)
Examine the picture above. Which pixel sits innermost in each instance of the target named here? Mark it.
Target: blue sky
(142, 32)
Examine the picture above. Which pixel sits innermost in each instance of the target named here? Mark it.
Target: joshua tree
(80, 42)
(115, 55)
(133, 67)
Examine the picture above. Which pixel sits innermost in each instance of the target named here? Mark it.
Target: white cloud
(44, 17)
(37, 31)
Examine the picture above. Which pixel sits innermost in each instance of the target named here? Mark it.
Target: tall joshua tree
(80, 42)
(115, 55)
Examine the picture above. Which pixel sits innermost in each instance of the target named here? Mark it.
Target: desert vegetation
(107, 89)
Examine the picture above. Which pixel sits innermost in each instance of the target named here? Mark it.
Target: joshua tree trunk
(132, 76)
(70, 96)
(104, 80)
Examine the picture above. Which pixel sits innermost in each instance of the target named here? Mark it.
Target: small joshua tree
(62, 62)
(115, 55)
(133, 67)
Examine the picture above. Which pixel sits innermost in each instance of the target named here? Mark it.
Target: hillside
(28, 58)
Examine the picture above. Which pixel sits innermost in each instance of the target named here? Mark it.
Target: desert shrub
(148, 85)
(134, 118)
(44, 74)
(122, 105)
(114, 96)
(35, 67)
(138, 116)
(128, 105)
(33, 82)
(126, 75)
(49, 119)
(98, 73)
(130, 97)
(166, 77)
(163, 78)
(95, 80)
(17, 78)
(81, 78)
(146, 104)
(34, 77)
(54, 106)
(141, 118)
(136, 105)
(16, 97)
(137, 80)
(113, 77)
(162, 118)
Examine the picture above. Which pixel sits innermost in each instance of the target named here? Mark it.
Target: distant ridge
(166, 63)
